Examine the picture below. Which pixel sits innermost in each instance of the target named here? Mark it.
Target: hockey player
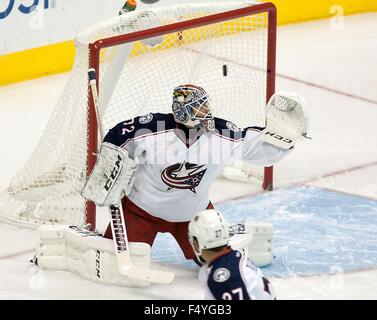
(178, 156)
(161, 166)
(173, 159)
(226, 273)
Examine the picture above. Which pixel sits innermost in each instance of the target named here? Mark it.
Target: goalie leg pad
(255, 242)
(260, 250)
(87, 254)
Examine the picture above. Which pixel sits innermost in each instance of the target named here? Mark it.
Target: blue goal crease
(315, 231)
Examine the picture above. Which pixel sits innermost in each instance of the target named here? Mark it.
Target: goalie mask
(210, 229)
(191, 107)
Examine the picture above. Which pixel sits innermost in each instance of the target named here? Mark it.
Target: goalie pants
(143, 227)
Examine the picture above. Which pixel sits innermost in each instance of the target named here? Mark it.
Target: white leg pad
(256, 242)
(63, 247)
(260, 250)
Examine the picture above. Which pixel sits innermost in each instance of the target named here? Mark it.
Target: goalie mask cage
(228, 48)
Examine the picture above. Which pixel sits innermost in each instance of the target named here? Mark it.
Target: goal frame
(94, 62)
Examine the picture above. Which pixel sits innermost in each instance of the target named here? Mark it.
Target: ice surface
(324, 207)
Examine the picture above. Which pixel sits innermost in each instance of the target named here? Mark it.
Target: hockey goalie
(157, 169)
(154, 171)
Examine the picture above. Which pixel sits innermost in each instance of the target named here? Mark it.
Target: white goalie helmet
(191, 106)
(210, 229)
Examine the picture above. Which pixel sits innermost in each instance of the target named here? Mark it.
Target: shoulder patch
(146, 118)
(221, 275)
(232, 126)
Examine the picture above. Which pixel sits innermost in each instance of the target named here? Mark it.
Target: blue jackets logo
(183, 176)
(24, 6)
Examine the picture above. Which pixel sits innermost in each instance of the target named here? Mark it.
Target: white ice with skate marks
(342, 156)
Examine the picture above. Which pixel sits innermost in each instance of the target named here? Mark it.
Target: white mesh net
(228, 59)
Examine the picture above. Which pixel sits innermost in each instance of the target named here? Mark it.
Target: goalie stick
(118, 226)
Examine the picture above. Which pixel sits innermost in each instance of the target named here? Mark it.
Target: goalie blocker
(112, 177)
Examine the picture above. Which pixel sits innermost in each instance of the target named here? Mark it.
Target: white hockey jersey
(178, 165)
(232, 277)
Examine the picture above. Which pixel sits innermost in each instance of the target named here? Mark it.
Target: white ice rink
(332, 66)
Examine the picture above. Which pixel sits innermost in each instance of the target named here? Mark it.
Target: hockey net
(227, 48)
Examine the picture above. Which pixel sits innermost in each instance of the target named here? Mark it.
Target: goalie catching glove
(286, 120)
(112, 177)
